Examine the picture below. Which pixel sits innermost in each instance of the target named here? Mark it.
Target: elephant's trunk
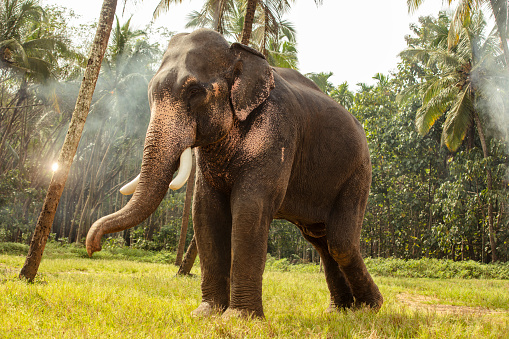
(160, 160)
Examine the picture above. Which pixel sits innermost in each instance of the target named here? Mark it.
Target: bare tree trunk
(248, 21)
(189, 258)
(79, 116)
(489, 183)
(185, 215)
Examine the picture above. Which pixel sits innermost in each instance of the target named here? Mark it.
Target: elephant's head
(201, 88)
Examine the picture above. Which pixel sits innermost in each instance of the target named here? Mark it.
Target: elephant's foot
(339, 306)
(206, 310)
(243, 313)
(373, 301)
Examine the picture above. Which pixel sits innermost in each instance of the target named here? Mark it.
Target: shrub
(435, 268)
(13, 248)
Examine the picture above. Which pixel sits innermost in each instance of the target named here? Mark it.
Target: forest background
(437, 129)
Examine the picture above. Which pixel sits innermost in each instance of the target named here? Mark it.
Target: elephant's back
(296, 79)
(331, 146)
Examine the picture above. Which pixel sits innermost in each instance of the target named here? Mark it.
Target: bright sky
(353, 39)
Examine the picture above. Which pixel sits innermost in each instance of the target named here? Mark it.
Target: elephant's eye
(194, 90)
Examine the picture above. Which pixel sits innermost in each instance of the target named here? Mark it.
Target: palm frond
(431, 89)
(18, 54)
(164, 6)
(413, 5)
(198, 19)
(428, 114)
(408, 93)
(284, 55)
(460, 19)
(38, 69)
(458, 120)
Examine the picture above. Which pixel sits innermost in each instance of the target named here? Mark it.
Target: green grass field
(114, 297)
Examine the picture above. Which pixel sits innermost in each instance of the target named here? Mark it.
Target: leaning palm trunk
(79, 116)
(489, 184)
(248, 21)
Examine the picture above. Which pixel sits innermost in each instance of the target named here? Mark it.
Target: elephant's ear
(252, 80)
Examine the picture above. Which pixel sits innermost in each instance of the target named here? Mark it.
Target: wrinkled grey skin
(269, 145)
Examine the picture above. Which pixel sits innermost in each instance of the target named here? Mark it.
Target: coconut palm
(270, 9)
(463, 13)
(230, 23)
(454, 87)
(217, 10)
(213, 10)
(451, 88)
(343, 95)
(270, 30)
(272, 35)
(29, 53)
(322, 81)
(281, 51)
(26, 47)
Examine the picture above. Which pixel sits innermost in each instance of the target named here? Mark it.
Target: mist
(490, 80)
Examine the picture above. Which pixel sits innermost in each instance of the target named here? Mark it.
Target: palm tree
(28, 51)
(270, 31)
(454, 86)
(29, 46)
(343, 95)
(220, 9)
(271, 10)
(230, 23)
(463, 13)
(322, 80)
(281, 5)
(65, 159)
(217, 15)
(281, 51)
(272, 35)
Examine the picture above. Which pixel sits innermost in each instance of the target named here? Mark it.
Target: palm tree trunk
(248, 21)
(185, 215)
(218, 17)
(265, 34)
(79, 116)
(489, 183)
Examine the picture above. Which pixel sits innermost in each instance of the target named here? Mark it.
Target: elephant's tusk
(129, 188)
(186, 164)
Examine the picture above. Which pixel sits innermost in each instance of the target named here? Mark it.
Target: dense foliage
(425, 200)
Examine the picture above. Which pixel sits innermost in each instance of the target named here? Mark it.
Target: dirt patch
(426, 303)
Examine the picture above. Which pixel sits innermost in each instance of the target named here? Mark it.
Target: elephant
(268, 145)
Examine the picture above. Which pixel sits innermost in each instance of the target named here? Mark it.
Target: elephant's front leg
(251, 215)
(212, 227)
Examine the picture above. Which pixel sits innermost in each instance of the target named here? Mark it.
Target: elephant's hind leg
(340, 292)
(343, 237)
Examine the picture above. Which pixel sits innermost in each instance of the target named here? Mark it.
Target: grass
(112, 297)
